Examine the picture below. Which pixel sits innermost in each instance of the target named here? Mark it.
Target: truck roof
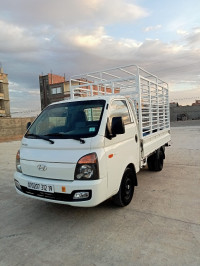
(107, 98)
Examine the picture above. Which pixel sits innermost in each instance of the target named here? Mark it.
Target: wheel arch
(132, 167)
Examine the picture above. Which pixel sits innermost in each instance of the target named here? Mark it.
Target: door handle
(136, 138)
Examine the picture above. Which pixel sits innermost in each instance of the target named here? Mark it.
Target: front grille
(54, 196)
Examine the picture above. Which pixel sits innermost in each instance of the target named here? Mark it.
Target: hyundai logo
(42, 167)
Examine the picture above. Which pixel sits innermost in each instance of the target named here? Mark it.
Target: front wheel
(126, 190)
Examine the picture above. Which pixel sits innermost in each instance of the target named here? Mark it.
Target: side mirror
(28, 125)
(117, 126)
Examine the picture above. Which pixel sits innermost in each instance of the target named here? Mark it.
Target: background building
(4, 95)
(54, 88)
(51, 89)
(178, 113)
(197, 102)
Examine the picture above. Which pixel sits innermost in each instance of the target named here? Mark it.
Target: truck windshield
(76, 120)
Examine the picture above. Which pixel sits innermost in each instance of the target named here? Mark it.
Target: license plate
(41, 187)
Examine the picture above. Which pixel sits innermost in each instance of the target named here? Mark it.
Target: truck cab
(81, 146)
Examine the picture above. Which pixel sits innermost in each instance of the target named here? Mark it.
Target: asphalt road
(161, 226)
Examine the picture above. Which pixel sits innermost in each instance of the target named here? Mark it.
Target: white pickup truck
(89, 148)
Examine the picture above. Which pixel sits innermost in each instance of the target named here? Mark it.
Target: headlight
(18, 165)
(87, 168)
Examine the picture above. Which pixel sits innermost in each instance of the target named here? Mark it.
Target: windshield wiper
(39, 137)
(65, 137)
(82, 141)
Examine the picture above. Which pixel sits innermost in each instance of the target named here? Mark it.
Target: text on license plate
(41, 187)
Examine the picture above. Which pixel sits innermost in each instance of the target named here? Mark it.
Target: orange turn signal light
(89, 158)
(110, 156)
(63, 189)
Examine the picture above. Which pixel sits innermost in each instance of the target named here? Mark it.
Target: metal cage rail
(149, 94)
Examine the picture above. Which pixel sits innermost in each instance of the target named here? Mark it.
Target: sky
(77, 36)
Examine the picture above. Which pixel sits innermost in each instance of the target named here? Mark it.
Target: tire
(126, 190)
(150, 162)
(155, 161)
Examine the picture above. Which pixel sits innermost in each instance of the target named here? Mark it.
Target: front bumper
(96, 188)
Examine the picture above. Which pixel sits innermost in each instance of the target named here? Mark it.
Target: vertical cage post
(91, 90)
(71, 90)
(150, 107)
(139, 107)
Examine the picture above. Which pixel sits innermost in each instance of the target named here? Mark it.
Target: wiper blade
(82, 141)
(39, 137)
(65, 136)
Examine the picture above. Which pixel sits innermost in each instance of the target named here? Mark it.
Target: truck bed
(147, 94)
(154, 141)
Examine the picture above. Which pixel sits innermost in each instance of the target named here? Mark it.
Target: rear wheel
(126, 190)
(156, 160)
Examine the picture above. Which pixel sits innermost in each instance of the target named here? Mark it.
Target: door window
(119, 108)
